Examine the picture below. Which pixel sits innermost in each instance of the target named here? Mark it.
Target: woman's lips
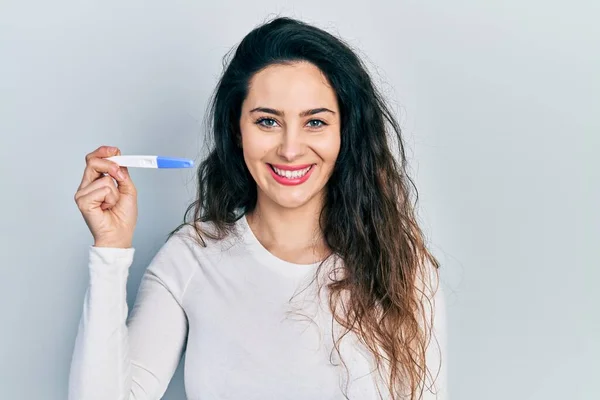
(295, 175)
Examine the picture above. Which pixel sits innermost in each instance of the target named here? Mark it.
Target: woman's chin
(290, 197)
(292, 200)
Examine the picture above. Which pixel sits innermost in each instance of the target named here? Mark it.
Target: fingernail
(121, 175)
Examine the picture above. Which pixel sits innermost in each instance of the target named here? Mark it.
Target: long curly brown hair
(368, 219)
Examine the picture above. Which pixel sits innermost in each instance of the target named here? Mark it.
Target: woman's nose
(292, 146)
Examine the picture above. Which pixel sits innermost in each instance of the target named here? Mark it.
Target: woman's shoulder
(205, 234)
(188, 248)
(191, 243)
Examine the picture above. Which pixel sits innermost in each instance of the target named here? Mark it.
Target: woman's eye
(267, 122)
(315, 123)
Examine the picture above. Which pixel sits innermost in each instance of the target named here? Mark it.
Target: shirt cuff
(110, 257)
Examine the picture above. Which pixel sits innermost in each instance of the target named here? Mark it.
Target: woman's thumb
(124, 182)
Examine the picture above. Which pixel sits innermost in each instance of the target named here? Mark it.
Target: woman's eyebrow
(281, 113)
(315, 111)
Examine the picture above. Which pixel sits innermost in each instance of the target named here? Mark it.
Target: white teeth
(291, 174)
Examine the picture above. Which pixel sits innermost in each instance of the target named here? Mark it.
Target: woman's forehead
(294, 87)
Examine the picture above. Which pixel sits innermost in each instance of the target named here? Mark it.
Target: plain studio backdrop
(498, 103)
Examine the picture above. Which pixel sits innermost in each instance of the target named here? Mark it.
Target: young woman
(299, 273)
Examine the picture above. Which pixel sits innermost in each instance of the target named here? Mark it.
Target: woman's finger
(110, 200)
(97, 167)
(94, 199)
(89, 175)
(124, 183)
(97, 184)
(101, 152)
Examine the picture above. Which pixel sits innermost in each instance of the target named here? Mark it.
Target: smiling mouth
(291, 174)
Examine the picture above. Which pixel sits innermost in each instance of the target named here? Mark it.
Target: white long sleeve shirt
(248, 329)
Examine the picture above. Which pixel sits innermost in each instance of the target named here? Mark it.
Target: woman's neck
(289, 232)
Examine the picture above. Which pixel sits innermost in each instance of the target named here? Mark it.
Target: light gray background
(499, 106)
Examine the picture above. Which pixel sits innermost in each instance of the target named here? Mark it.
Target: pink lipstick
(291, 174)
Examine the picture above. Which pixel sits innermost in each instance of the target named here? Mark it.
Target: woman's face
(290, 126)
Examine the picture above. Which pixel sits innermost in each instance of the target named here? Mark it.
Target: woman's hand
(109, 210)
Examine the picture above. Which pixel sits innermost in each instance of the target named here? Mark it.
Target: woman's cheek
(328, 148)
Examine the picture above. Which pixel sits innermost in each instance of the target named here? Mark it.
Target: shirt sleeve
(117, 356)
